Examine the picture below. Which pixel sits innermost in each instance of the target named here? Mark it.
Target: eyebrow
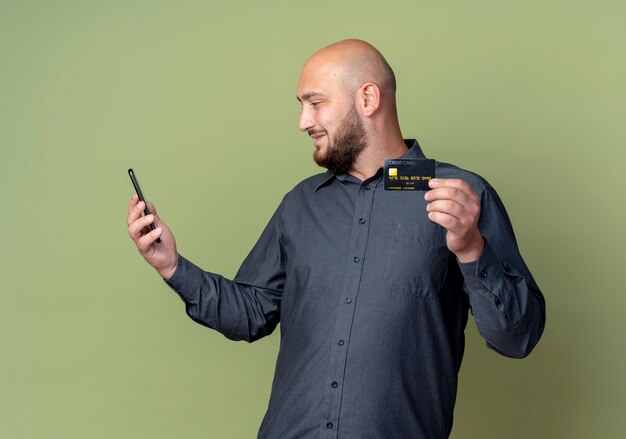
(309, 95)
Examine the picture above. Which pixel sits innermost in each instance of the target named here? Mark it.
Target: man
(372, 288)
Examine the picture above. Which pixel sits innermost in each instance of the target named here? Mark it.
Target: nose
(305, 122)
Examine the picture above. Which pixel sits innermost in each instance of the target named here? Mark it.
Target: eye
(314, 104)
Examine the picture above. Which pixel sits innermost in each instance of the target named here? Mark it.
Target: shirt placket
(346, 305)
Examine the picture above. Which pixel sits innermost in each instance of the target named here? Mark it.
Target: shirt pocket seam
(402, 238)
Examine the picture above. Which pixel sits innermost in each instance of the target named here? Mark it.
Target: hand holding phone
(146, 232)
(131, 173)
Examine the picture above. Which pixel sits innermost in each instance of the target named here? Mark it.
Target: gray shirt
(372, 306)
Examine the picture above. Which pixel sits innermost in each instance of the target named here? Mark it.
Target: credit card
(408, 174)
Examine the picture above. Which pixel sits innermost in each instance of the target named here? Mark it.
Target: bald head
(355, 62)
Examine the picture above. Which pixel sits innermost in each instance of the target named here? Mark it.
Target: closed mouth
(317, 137)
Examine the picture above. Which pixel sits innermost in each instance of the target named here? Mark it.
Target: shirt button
(361, 220)
(483, 274)
(367, 187)
(340, 342)
(356, 259)
(329, 425)
(348, 300)
(334, 384)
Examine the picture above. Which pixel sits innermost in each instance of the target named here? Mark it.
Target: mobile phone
(138, 190)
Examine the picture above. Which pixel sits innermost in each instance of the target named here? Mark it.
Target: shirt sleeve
(508, 307)
(246, 308)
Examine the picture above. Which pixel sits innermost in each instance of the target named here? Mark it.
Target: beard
(348, 144)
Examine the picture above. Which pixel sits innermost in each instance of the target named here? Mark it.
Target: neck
(371, 158)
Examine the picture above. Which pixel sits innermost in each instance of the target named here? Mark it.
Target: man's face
(329, 117)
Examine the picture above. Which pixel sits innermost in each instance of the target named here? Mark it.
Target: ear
(369, 98)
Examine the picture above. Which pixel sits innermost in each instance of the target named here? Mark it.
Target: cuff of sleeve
(482, 272)
(185, 278)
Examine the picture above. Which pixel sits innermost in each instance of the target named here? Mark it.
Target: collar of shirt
(414, 152)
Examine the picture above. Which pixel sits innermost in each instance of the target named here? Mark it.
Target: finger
(134, 211)
(456, 183)
(139, 227)
(449, 207)
(158, 222)
(456, 203)
(448, 182)
(132, 203)
(448, 222)
(148, 239)
(449, 193)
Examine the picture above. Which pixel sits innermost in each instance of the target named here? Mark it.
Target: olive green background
(199, 97)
